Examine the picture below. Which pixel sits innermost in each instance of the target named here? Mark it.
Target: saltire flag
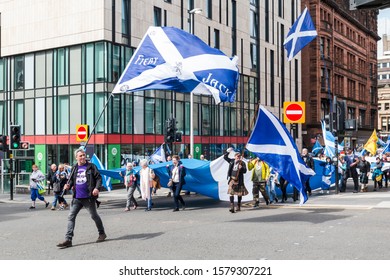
(271, 141)
(328, 137)
(317, 148)
(158, 155)
(386, 149)
(371, 145)
(169, 58)
(381, 142)
(106, 180)
(301, 33)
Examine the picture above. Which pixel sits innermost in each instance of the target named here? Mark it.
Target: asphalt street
(344, 226)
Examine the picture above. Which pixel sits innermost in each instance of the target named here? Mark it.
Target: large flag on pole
(301, 33)
(106, 180)
(328, 141)
(371, 145)
(271, 141)
(159, 155)
(169, 58)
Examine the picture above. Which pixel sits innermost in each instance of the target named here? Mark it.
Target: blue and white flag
(271, 142)
(169, 58)
(106, 180)
(386, 149)
(301, 33)
(381, 142)
(328, 141)
(159, 155)
(317, 148)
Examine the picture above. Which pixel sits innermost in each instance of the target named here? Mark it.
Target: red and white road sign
(294, 112)
(81, 132)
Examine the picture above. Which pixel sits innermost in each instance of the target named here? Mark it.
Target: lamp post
(192, 15)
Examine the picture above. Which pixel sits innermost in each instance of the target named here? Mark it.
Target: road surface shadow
(316, 216)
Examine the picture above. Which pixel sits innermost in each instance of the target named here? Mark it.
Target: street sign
(294, 112)
(81, 132)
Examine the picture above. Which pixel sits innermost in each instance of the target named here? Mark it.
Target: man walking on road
(85, 182)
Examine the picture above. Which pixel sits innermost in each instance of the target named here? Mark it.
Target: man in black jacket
(85, 182)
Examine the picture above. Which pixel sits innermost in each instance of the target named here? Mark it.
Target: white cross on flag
(301, 33)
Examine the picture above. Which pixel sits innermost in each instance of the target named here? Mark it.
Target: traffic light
(14, 137)
(178, 137)
(3, 143)
(328, 122)
(170, 131)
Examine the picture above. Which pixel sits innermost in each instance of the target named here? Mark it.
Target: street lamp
(192, 14)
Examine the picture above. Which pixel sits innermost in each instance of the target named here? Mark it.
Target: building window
(19, 72)
(157, 16)
(128, 113)
(2, 74)
(351, 113)
(19, 114)
(216, 39)
(149, 115)
(62, 67)
(125, 17)
(89, 62)
(100, 62)
(209, 9)
(63, 114)
(387, 106)
(100, 100)
(253, 53)
(206, 120)
(253, 24)
(362, 117)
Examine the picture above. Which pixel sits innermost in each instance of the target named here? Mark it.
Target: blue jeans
(59, 198)
(176, 189)
(76, 205)
(271, 191)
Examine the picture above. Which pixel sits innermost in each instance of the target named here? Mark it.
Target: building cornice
(338, 8)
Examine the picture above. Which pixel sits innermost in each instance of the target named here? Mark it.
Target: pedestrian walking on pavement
(59, 182)
(36, 177)
(236, 171)
(146, 183)
(85, 183)
(130, 182)
(176, 173)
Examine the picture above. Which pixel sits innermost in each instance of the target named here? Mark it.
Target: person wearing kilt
(236, 171)
(364, 167)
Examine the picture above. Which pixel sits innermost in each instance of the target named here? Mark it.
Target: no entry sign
(81, 132)
(294, 112)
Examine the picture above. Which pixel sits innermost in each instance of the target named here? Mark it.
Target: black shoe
(47, 204)
(101, 238)
(276, 200)
(267, 202)
(31, 207)
(175, 210)
(65, 244)
(98, 203)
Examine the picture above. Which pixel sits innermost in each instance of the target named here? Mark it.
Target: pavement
(319, 199)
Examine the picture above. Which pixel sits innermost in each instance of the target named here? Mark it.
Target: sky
(383, 27)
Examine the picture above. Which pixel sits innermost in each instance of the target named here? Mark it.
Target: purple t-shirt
(81, 182)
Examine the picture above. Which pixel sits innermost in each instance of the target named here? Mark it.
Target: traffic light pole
(336, 152)
(11, 179)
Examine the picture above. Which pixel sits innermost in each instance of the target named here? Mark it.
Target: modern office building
(341, 63)
(61, 59)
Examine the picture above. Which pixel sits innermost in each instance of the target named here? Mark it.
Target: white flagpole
(192, 13)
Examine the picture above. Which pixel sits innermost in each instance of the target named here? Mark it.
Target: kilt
(237, 189)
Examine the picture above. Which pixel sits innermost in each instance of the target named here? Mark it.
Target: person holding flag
(236, 171)
(351, 161)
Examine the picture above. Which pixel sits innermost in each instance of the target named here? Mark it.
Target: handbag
(41, 189)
